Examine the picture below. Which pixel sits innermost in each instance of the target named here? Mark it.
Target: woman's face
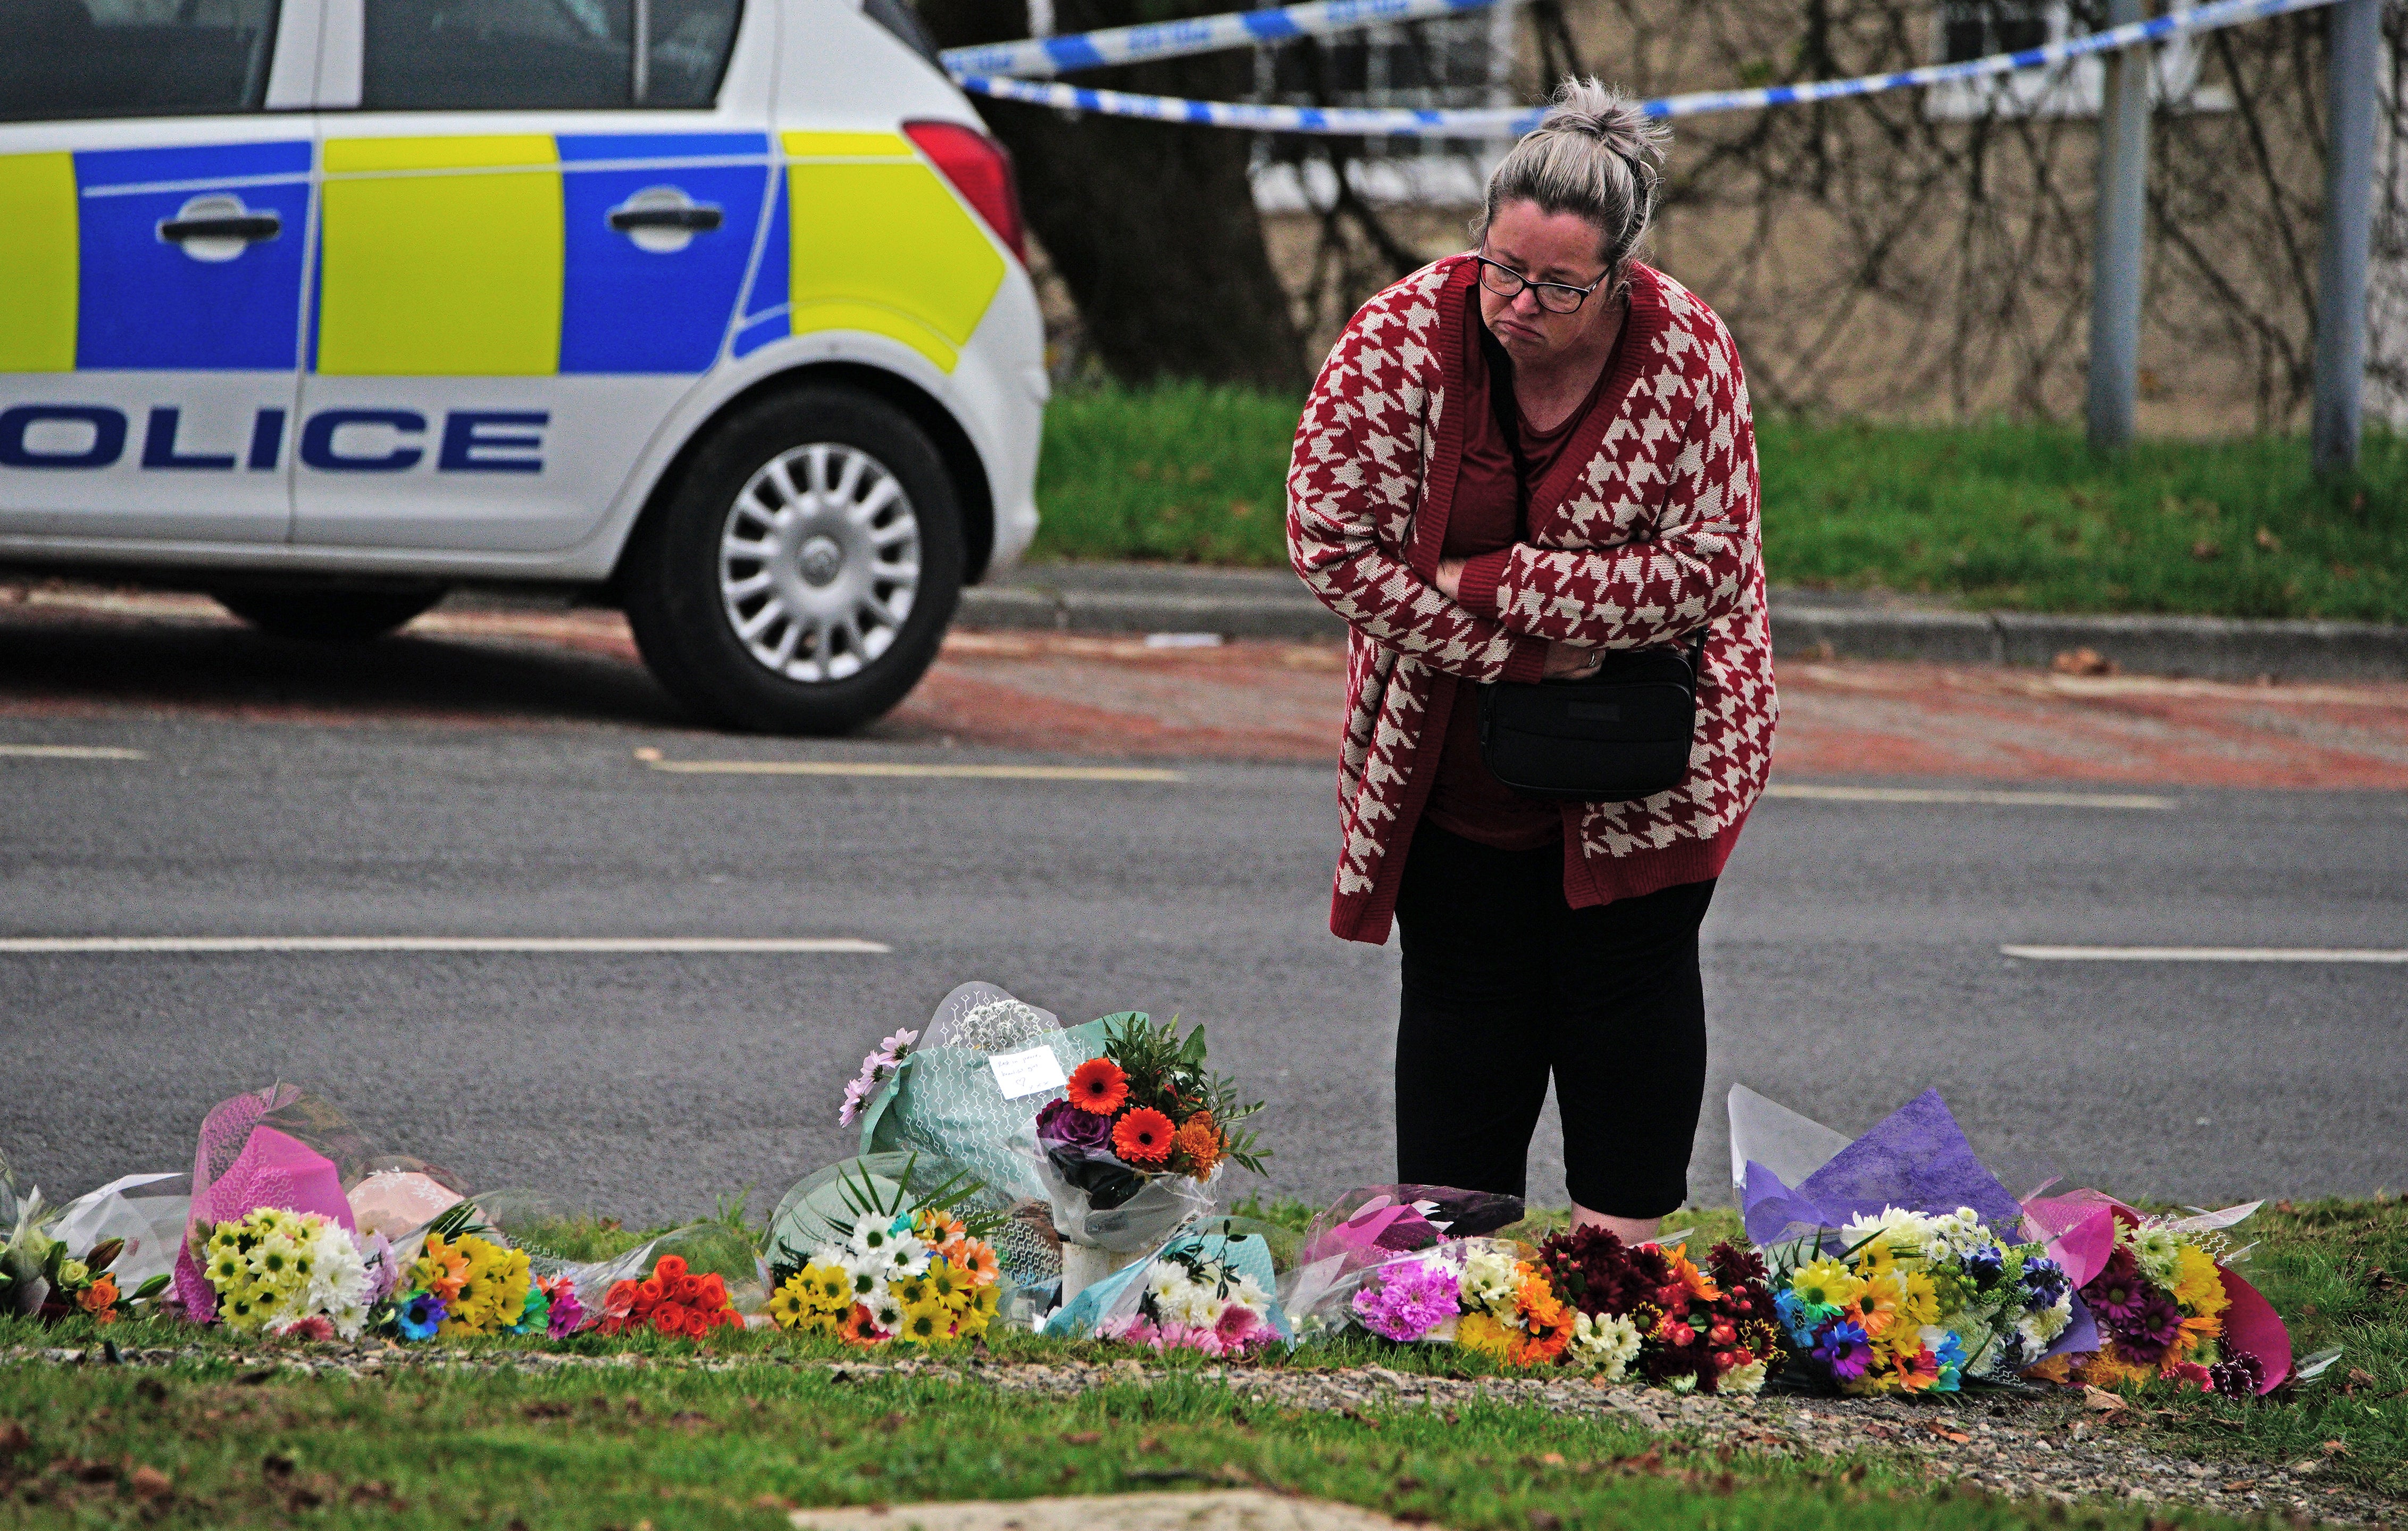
(1556, 247)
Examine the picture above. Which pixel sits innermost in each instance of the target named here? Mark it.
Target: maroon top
(1467, 798)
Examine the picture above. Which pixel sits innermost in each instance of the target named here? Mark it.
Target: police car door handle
(250, 227)
(700, 218)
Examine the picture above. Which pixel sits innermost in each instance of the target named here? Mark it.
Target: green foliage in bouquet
(1166, 1072)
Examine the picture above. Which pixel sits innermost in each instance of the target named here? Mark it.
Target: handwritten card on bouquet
(1028, 1072)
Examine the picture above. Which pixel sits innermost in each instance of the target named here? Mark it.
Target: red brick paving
(1241, 701)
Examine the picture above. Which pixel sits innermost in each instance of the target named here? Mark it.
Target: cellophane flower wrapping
(246, 1159)
(1914, 1302)
(2163, 1297)
(1140, 1140)
(1212, 1289)
(1373, 1226)
(880, 1249)
(934, 1092)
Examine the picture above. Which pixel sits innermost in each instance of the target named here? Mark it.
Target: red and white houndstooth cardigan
(1645, 529)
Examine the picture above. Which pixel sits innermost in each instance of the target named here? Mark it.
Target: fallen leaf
(14, 1437)
(148, 1483)
(2102, 1400)
(1551, 1459)
(1082, 1438)
(2358, 1378)
(2083, 661)
(2335, 1448)
(1959, 1437)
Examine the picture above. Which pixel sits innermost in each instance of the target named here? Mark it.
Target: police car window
(133, 58)
(507, 55)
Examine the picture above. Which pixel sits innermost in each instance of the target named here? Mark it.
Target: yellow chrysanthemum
(788, 1305)
(926, 1322)
(985, 1301)
(825, 1289)
(1920, 1303)
(1879, 1300)
(910, 1290)
(2200, 1287)
(1483, 1335)
(948, 1286)
(1826, 1283)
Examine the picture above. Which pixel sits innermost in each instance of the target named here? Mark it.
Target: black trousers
(1506, 982)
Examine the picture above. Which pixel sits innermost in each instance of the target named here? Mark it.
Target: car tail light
(980, 169)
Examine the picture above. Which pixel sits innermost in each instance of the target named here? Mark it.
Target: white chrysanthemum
(829, 1254)
(885, 1310)
(870, 1237)
(1162, 1277)
(2160, 1252)
(1246, 1290)
(1905, 1233)
(1743, 1382)
(2040, 1329)
(906, 1255)
(1487, 1278)
(1609, 1344)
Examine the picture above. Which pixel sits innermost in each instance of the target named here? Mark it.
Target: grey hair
(1594, 155)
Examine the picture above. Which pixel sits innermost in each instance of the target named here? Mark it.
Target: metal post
(2357, 34)
(2115, 271)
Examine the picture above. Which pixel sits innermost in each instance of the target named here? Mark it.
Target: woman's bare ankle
(1629, 1230)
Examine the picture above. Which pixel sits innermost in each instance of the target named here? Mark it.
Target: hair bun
(1592, 109)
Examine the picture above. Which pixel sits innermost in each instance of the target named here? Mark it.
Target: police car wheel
(332, 615)
(801, 575)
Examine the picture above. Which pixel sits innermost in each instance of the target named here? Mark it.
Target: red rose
(671, 1267)
(713, 1290)
(1722, 1334)
(697, 1323)
(652, 1290)
(685, 1290)
(669, 1318)
(1677, 1334)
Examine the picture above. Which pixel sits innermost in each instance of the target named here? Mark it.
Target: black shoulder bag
(1614, 736)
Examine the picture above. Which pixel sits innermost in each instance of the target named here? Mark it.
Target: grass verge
(740, 1447)
(2001, 516)
(684, 1446)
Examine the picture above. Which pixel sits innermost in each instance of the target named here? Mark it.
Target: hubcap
(819, 562)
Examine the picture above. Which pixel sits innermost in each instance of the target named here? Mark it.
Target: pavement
(1100, 822)
(1823, 624)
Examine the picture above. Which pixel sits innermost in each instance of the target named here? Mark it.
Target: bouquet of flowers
(1195, 1298)
(671, 1301)
(467, 1280)
(884, 1262)
(2164, 1302)
(298, 1274)
(1133, 1149)
(1648, 1308)
(1370, 1227)
(1914, 1302)
(1486, 1294)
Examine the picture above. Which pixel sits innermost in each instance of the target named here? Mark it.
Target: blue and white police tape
(1512, 122)
(1196, 35)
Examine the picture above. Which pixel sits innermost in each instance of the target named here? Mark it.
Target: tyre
(801, 571)
(330, 614)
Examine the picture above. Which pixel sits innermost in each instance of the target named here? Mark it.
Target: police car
(715, 309)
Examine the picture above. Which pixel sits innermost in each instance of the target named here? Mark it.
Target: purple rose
(1060, 1124)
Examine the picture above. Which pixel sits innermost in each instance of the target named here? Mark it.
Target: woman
(1539, 937)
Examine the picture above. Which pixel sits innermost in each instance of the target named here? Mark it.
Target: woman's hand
(1450, 577)
(1565, 662)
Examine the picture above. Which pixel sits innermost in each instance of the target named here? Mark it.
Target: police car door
(154, 225)
(537, 219)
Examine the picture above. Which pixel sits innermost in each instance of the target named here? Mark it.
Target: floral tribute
(673, 1302)
(1480, 1294)
(464, 1284)
(1148, 1107)
(2160, 1304)
(298, 1274)
(898, 1265)
(1192, 1302)
(1916, 1302)
(1650, 1307)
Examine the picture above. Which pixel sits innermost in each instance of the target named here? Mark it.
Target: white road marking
(903, 769)
(636, 944)
(70, 752)
(2207, 954)
(1967, 795)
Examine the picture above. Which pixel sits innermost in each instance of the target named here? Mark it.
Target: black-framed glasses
(1554, 296)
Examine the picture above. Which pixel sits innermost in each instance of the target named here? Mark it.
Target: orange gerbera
(1200, 1141)
(860, 1327)
(1142, 1136)
(974, 1260)
(1099, 1085)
